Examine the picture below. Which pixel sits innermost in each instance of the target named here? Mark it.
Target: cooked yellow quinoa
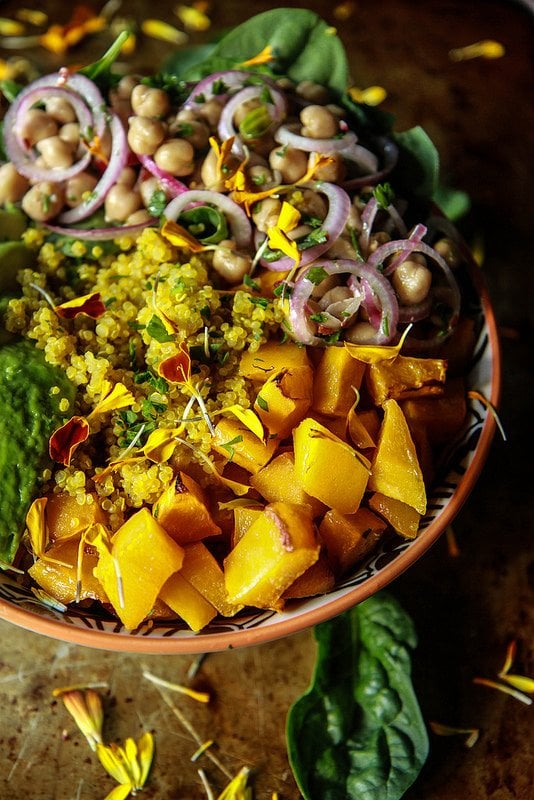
(155, 299)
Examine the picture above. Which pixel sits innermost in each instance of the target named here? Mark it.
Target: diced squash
(58, 577)
(359, 425)
(278, 481)
(183, 511)
(402, 517)
(187, 602)
(335, 375)
(145, 556)
(404, 377)
(271, 358)
(458, 349)
(283, 400)
(269, 279)
(278, 547)
(244, 516)
(237, 443)
(66, 518)
(318, 579)
(329, 469)
(201, 570)
(395, 469)
(442, 416)
(348, 538)
(336, 425)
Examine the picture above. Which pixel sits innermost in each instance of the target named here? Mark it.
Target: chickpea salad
(224, 275)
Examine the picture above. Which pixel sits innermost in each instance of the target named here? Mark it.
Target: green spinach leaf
(358, 732)
(417, 170)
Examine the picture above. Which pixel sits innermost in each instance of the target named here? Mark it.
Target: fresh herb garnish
(157, 330)
(316, 275)
(157, 203)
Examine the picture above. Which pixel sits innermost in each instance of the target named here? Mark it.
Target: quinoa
(149, 287)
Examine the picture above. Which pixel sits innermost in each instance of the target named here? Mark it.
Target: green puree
(29, 414)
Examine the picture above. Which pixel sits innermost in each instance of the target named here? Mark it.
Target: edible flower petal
(201, 697)
(247, 417)
(161, 444)
(85, 707)
(487, 48)
(177, 368)
(59, 38)
(501, 687)
(89, 304)
(180, 237)
(521, 682)
(129, 764)
(113, 398)
(36, 526)
(158, 29)
(192, 17)
(371, 96)
(277, 235)
(374, 353)
(265, 56)
(67, 438)
(472, 734)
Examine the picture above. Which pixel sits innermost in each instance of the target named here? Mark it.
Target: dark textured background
(466, 609)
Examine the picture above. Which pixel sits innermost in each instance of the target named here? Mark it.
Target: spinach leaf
(417, 170)
(358, 732)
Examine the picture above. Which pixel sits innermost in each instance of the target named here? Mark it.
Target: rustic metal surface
(467, 608)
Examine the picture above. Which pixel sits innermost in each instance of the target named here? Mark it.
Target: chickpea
(210, 111)
(354, 220)
(313, 204)
(70, 134)
(145, 135)
(55, 152)
(242, 110)
(342, 248)
(147, 189)
(381, 237)
(265, 213)
(148, 101)
(229, 263)
(311, 91)
(43, 201)
(209, 173)
(193, 130)
(60, 109)
(127, 176)
(334, 172)
(448, 250)
(176, 156)
(12, 185)
(138, 217)
(77, 187)
(411, 281)
(289, 162)
(318, 122)
(260, 175)
(361, 333)
(126, 85)
(37, 125)
(121, 201)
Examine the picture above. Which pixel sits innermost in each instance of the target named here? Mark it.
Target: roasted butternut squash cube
(284, 399)
(271, 358)
(66, 518)
(278, 547)
(244, 516)
(57, 573)
(443, 416)
(318, 579)
(328, 468)
(268, 280)
(187, 602)
(349, 538)
(395, 469)
(238, 444)
(182, 510)
(405, 376)
(402, 517)
(335, 375)
(278, 481)
(201, 570)
(360, 424)
(144, 556)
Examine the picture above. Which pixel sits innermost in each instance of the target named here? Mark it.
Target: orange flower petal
(66, 439)
(177, 368)
(179, 237)
(89, 304)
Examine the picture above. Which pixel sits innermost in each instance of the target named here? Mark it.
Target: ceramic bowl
(459, 469)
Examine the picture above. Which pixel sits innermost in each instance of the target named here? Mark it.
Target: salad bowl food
(248, 369)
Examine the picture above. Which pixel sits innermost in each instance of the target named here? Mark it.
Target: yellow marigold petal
(448, 730)
(86, 710)
(158, 29)
(194, 19)
(374, 353)
(89, 304)
(521, 682)
(54, 40)
(32, 16)
(201, 697)
(237, 788)
(10, 27)
(36, 526)
(100, 476)
(278, 240)
(145, 747)
(319, 160)
(487, 48)
(161, 444)
(180, 237)
(121, 792)
(110, 758)
(511, 651)
(265, 56)
(371, 96)
(289, 217)
(112, 400)
(247, 417)
(501, 687)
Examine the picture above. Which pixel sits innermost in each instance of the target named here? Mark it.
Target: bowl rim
(286, 626)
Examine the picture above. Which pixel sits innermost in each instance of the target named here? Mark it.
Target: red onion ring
(100, 234)
(173, 186)
(239, 222)
(232, 79)
(390, 155)
(360, 274)
(285, 136)
(117, 161)
(361, 156)
(403, 247)
(333, 225)
(226, 129)
(416, 312)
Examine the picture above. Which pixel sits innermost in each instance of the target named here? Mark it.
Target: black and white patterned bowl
(459, 470)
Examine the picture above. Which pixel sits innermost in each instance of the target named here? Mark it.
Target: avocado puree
(29, 414)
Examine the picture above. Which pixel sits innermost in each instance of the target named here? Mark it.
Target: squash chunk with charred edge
(182, 510)
(349, 537)
(241, 446)
(328, 468)
(59, 579)
(187, 602)
(244, 516)
(277, 548)
(66, 518)
(404, 377)
(201, 570)
(443, 416)
(143, 556)
(395, 469)
(402, 517)
(271, 358)
(284, 399)
(318, 579)
(277, 481)
(335, 375)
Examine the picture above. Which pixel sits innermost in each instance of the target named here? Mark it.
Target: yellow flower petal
(32, 16)
(157, 29)
(487, 48)
(86, 710)
(448, 730)
(247, 417)
(201, 697)
(193, 18)
(374, 353)
(36, 526)
(371, 96)
(265, 56)
(289, 217)
(145, 747)
(161, 444)
(279, 240)
(110, 758)
(179, 237)
(10, 27)
(521, 682)
(501, 687)
(120, 792)
(237, 788)
(112, 399)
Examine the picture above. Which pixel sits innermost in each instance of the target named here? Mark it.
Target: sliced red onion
(333, 225)
(226, 128)
(239, 222)
(101, 234)
(173, 186)
(285, 136)
(389, 156)
(117, 161)
(406, 248)
(232, 79)
(368, 217)
(416, 312)
(361, 156)
(360, 274)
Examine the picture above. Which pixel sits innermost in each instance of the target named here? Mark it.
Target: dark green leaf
(205, 223)
(158, 331)
(357, 733)
(453, 202)
(316, 275)
(157, 203)
(417, 169)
